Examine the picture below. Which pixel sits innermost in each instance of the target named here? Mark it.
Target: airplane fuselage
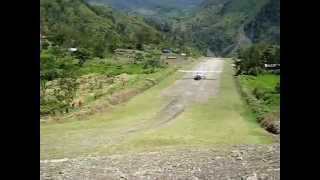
(197, 77)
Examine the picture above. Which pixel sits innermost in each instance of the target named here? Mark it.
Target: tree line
(252, 60)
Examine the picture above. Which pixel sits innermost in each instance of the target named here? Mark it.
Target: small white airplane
(199, 74)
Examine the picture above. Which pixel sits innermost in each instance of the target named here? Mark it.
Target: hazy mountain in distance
(147, 4)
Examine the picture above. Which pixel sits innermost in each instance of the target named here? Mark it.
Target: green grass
(112, 67)
(261, 81)
(262, 88)
(73, 138)
(224, 120)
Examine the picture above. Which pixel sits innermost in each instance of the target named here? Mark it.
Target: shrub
(138, 58)
(83, 55)
(259, 93)
(253, 58)
(277, 88)
(148, 71)
(255, 71)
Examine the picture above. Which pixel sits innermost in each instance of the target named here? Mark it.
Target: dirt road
(186, 91)
(179, 95)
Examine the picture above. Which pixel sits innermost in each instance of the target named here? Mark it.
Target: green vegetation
(141, 64)
(224, 26)
(229, 123)
(62, 68)
(148, 5)
(93, 32)
(224, 120)
(251, 60)
(72, 138)
(265, 26)
(93, 58)
(260, 86)
(262, 93)
(66, 69)
(95, 29)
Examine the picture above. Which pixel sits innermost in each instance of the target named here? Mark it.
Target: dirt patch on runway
(186, 91)
(180, 95)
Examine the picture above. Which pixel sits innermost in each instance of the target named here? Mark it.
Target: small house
(272, 66)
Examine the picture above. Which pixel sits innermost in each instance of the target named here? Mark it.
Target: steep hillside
(225, 25)
(266, 25)
(74, 23)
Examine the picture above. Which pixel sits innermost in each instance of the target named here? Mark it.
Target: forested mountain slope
(266, 24)
(75, 23)
(222, 25)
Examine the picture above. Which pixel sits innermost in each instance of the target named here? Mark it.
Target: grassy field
(93, 134)
(224, 120)
(262, 88)
(262, 81)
